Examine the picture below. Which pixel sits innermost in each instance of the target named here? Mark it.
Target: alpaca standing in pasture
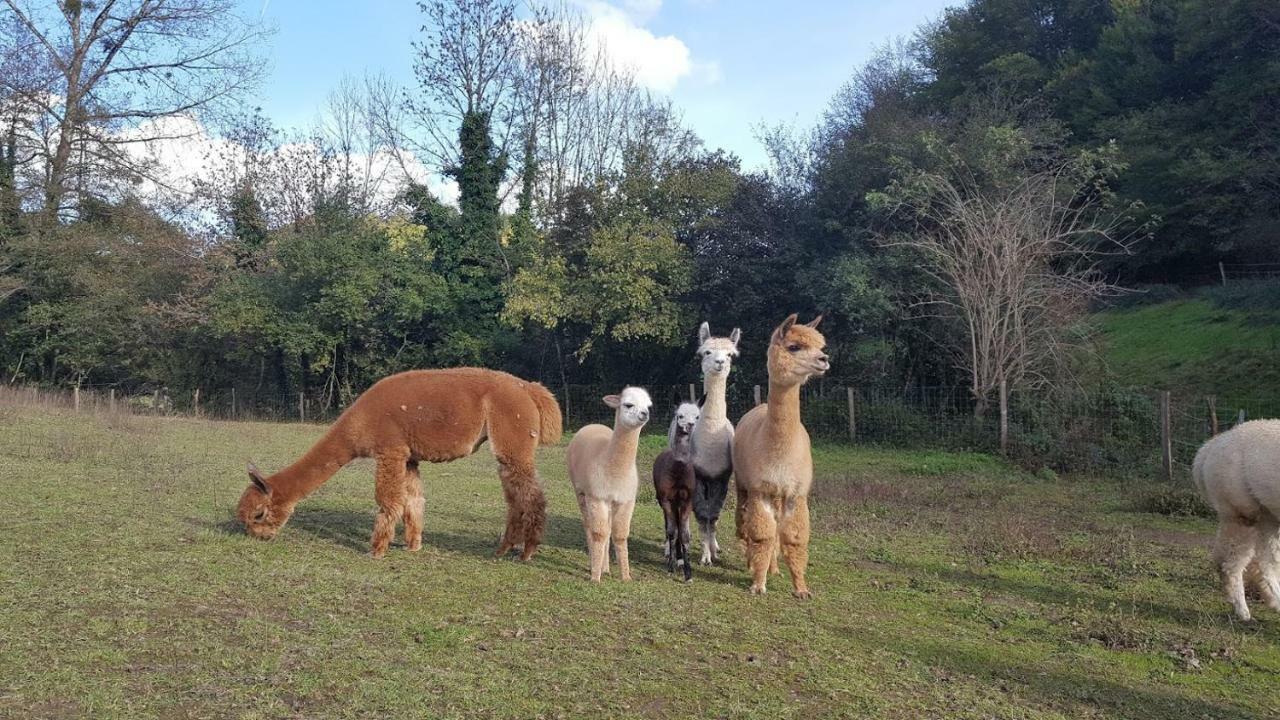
(773, 462)
(602, 469)
(673, 485)
(713, 437)
(1238, 473)
(423, 415)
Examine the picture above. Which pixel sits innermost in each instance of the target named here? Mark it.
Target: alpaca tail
(551, 424)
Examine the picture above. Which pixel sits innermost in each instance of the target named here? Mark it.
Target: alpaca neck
(620, 456)
(682, 450)
(311, 470)
(784, 407)
(713, 407)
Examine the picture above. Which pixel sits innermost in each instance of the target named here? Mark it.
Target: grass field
(1198, 347)
(946, 586)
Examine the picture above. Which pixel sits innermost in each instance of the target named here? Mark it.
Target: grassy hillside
(1218, 342)
(947, 586)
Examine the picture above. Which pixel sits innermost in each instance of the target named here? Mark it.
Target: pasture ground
(947, 585)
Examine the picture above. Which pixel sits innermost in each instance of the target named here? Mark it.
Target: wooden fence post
(1222, 271)
(302, 407)
(693, 393)
(853, 426)
(155, 402)
(1166, 435)
(756, 391)
(233, 403)
(1213, 415)
(1240, 417)
(195, 402)
(111, 399)
(75, 394)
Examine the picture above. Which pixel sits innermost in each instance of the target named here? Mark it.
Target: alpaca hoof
(527, 556)
(758, 590)
(705, 561)
(413, 548)
(377, 554)
(802, 594)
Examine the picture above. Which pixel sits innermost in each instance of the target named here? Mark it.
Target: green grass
(1197, 346)
(946, 586)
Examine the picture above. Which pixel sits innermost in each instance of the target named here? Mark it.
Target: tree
(118, 68)
(1018, 260)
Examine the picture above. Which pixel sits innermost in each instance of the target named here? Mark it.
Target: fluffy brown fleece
(773, 466)
(423, 415)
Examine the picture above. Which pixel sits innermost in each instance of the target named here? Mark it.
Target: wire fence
(1128, 430)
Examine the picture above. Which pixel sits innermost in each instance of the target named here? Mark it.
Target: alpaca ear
(781, 332)
(735, 336)
(676, 399)
(255, 476)
(814, 322)
(701, 399)
(704, 333)
(612, 401)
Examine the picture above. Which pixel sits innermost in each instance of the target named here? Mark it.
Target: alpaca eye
(262, 515)
(628, 406)
(793, 348)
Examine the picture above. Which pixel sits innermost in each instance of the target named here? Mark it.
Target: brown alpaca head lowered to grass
(422, 416)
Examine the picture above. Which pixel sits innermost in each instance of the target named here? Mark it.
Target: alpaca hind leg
(526, 508)
(1232, 554)
(621, 530)
(389, 492)
(760, 528)
(793, 535)
(414, 506)
(705, 527)
(1267, 555)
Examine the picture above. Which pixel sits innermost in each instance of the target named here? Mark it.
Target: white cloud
(659, 62)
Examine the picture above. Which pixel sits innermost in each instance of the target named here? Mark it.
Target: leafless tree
(465, 64)
(1019, 262)
(118, 67)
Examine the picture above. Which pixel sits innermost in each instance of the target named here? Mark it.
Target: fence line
(1135, 429)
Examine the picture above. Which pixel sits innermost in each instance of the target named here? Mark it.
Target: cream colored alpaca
(1238, 473)
(602, 469)
(772, 464)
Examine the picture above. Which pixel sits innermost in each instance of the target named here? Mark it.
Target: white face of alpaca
(686, 417)
(715, 353)
(632, 405)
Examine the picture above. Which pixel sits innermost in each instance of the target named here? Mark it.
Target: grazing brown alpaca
(423, 415)
(772, 463)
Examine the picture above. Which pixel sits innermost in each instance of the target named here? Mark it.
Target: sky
(728, 65)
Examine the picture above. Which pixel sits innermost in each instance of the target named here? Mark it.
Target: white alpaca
(602, 469)
(1238, 473)
(713, 437)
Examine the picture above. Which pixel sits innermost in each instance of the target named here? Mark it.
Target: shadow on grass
(1070, 689)
(1065, 594)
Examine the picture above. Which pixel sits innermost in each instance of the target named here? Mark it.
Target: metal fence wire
(1113, 428)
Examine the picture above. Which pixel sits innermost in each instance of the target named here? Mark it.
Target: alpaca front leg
(389, 492)
(621, 526)
(597, 526)
(414, 507)
(682, 544)
(759, 528)
(793, 534)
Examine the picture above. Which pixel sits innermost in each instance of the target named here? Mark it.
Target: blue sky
(729, 65)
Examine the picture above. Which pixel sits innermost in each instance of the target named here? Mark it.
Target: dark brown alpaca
(423, 415)
(674, 483)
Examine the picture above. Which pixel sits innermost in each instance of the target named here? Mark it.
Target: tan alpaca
(773, 467)
(423, 415)
(602, 469)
